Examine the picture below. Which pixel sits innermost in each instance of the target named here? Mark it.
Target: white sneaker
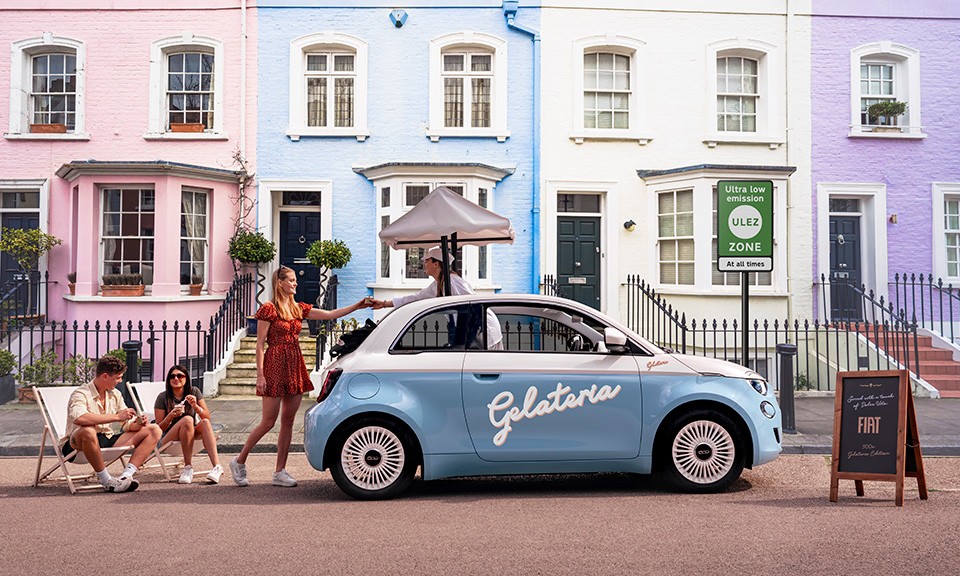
(121, 485)
(213, 476)
(283, 478)
(186, 475)
(239, 473)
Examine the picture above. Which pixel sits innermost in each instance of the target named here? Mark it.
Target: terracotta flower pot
(72, 287)
(195, 289)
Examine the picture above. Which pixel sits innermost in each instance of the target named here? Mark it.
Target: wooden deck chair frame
(53, 402)
(144, 394)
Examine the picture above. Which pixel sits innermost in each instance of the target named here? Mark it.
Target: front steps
(241, 377)
(937, 365)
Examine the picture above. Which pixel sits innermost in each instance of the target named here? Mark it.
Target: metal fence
(52, 352)
(550, 286)
(23, 300)
(934, 304)
(824, 348)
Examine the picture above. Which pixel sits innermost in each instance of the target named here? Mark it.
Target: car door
(548, 395)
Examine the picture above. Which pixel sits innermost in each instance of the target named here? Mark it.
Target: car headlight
(759, 385)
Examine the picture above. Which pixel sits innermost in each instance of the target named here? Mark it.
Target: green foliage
(122, 279)
(887, 108)
(26, 246)
(79, 370)
(328, 254)
(44, 370)
(251, 247)
(802, 382)
(119, 353)
(7, 361)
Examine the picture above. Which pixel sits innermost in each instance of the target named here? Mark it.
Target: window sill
(907, 133)
(184, 297)
(185, 136)
(579, 136)
(295, 134)
(742, 138)
(500, 134)
(37, 136)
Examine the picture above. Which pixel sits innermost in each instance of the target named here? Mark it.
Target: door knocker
(840, 239)
(303, 240)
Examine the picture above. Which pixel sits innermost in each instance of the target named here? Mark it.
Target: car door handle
(486, 376)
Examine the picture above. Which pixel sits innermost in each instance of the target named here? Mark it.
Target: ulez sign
(744, 225)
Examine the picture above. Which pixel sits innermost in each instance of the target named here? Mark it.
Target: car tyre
(374, 460)
(703, 452)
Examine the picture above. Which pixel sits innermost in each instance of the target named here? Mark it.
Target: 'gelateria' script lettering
(556, 401)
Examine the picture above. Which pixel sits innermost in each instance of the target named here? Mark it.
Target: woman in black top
(182, 413)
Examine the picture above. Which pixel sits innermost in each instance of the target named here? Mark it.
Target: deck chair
(170, 452)
(53, 402)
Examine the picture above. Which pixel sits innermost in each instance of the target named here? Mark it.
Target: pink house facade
(121, 124)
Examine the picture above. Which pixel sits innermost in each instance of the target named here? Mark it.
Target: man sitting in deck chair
(91, 411)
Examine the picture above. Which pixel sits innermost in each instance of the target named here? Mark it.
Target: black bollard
(787, 409)
(132, 374)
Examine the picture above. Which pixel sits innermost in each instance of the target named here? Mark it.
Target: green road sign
(744, 225)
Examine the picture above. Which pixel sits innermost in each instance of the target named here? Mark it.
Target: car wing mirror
(614, 341)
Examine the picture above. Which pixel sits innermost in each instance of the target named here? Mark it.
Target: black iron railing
(24, 299)
(231, 317)
(934, 305)
(328, 331)
(823, 347)
(550, 286)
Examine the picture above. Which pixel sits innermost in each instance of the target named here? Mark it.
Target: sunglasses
(178, 376)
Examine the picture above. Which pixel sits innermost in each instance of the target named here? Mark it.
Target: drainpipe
(510, 8)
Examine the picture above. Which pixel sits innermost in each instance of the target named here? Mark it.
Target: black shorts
(102, 439)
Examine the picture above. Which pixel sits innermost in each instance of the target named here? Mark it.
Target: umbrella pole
(445, 265)
(453, 250)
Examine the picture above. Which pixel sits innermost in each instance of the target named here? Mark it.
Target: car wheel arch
(331, 451)
(663, 429)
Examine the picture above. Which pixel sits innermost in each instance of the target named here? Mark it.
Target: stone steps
(241, 377)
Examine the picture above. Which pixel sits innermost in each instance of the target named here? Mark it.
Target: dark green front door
(578, 258)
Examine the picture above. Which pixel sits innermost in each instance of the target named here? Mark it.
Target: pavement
(21, 426)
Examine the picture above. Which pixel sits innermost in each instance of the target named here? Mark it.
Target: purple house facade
(886, 185)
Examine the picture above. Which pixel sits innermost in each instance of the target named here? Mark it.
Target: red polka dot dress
(283, 365)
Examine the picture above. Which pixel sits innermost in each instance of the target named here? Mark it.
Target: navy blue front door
(298, 230)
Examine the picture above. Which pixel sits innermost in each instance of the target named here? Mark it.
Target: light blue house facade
(364, 110)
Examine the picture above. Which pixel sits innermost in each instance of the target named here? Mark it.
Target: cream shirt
(86, 399)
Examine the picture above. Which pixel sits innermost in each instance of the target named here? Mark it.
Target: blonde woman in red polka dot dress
(282, 377)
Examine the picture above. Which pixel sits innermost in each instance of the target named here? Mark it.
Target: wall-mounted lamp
(629, 225)
(398, 17)
(893, 218)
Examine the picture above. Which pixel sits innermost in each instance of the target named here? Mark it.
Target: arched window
(884, 72)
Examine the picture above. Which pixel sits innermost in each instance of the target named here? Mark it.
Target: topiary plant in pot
(249, 247)
(885, 114)
(327, 255)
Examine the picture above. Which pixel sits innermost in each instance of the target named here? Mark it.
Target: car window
(538, 329)
(450, 328)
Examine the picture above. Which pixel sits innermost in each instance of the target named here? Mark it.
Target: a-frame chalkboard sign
(875, 434)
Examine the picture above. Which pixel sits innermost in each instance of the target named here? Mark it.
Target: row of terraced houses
(131, 128)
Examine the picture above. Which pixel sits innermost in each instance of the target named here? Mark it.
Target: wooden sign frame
(907, 440)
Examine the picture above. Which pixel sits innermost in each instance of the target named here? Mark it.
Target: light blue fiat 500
(558, 388)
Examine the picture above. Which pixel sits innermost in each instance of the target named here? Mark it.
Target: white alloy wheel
(703, 452)
(372, 458)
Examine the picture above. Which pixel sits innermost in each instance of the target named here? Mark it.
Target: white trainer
(239, 473)
(121, 485)
(213, 476)
(283, 478)
(186, 475)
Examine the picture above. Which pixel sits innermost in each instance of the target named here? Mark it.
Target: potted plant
(883, 115)
(72, 282)
(26, 247)
(328, 255)
(8, 387)
(196, 284)
(44, 370)
(55, 128)
(122, 285)
(252, 248)
(186, 127)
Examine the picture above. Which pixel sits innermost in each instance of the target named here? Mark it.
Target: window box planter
(192, 127)
(48, 128)
(122, 290)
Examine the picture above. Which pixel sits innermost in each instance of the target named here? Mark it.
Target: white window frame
(326, 41)
(702, 185)
(873, 230)
(906, 88)
(941, 191)
(639, 128)
(101, 190)
(157, 111)
(22, 53)
(770, 93)
(469, 42)
(207, 194)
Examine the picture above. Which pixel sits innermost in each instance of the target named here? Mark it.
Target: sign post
(875, 435)
(745, 236)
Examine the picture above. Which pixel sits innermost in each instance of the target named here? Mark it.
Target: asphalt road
(776, 520)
